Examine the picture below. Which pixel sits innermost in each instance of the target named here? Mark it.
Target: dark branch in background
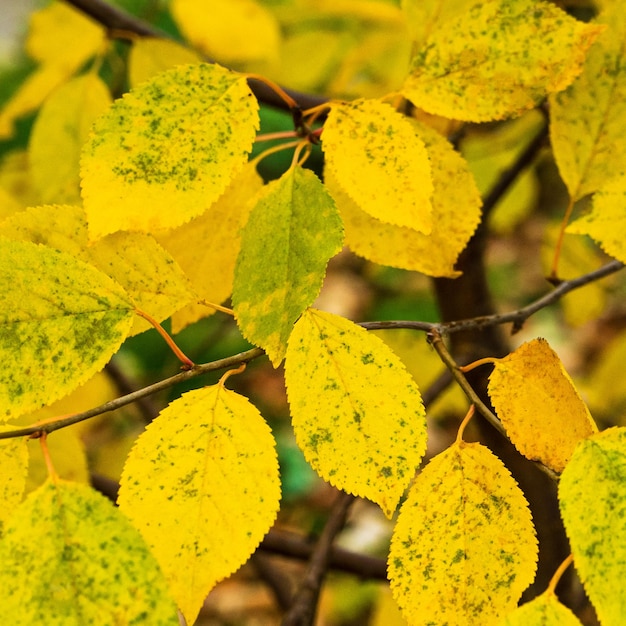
(306, 600)
(116, 20)
(145, 404)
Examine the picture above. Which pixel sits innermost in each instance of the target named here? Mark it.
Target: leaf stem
(229, 373)
(277, 89)
(554, 581)
(217, 307)
(489, 360)
(553, 277)
(464, 423)
(43, 442)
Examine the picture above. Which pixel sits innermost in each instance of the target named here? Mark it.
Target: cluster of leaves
(150, 207)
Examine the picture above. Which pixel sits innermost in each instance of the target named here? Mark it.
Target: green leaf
(70, 558)
(203, 487)
(60, 322)
(545, 610)
(357, 413)
(167, 150)
(13, 469)
(592, 498)
(292, 232)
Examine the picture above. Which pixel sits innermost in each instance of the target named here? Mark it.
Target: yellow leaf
(535, 399)
(588, 120)
(464, 548)
(545, 610)
(456, 214)
(61, 129)
(479, 66)
(167, 150)
(232, 31)
(13, 468)
(202, 485)
(64, 37)
(606, 223)
(426, 16)
(60, 321)
(292, 232)
(593, 507)
(136, 261)
(15, 179)
(357, 413)
(70, 558)
(207, 247)
(375, 155)
(150, 56)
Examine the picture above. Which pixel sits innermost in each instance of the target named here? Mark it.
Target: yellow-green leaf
(70, 558)
(536, 400)
(61, 129)
(588, 120)
(167, 150)
(376, 156)
(545, 610)
(357, 413)
(606, 223)
(13, 469)
(464, 548)
(148, 274)
(592, 498)
(60, 322)
(202, 485)
(425, 16)
(207, 247)
(150, 56)
(292, 232)
(479, 65)
(456, 214)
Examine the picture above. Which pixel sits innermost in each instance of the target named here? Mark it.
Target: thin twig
(304, 606)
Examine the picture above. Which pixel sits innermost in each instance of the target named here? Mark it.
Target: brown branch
(304, 606)
(125, 386)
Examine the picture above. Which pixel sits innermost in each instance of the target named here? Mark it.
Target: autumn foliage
(139, 198)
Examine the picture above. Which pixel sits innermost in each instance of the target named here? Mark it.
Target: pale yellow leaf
(70, 558)
(456, 214)
(13, 469)
(167, 150)
(375, 155)
(357, 413)
(59, 132)
(426, 16)
(234, 32)
(207, 247)
(545, 610)
(202, 485)
(464, 548)
(535, 399)
(592, 498)
(150, 56)
(479, 65)
(588, 120)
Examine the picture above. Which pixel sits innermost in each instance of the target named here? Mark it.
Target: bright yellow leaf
(70, 558)
(167, 150)
(203, 487)
(479, 65)
(606, 223)
(544, 610)
(60, 322)
(207, 247)
(234, 32)
(13, 469)
(375, 155)
(456, 214)
(426, 16)
(61, 129)
(292, 232)
(535, 399)
(150, 56)
(136, 261)
(592, 497)
(357, 413)
(464, 548)
(588, 120)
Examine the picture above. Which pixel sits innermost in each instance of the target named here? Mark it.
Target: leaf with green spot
(544, 610)
(70, 558)
(60, 321)
(464, 548)
(292, 232)
(376, 156)
(592, 498)
(13, 470)
(357, 413)
(203, 487)
(167, 150)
